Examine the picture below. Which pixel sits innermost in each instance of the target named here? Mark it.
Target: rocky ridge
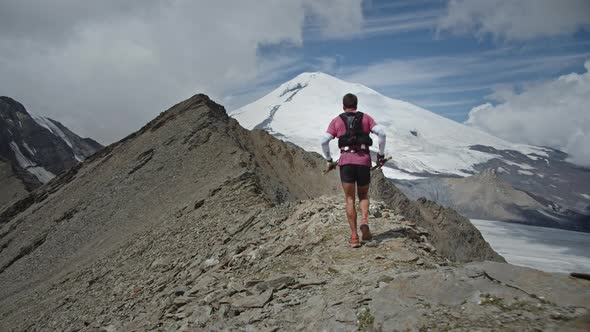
(195, 223)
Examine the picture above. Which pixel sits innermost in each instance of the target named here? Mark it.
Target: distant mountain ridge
(34, 149)
(487, 196)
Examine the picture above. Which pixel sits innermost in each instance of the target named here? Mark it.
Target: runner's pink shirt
(337, 128)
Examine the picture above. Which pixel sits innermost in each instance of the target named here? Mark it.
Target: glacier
(547, 249)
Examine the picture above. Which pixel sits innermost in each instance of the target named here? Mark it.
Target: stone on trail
(372, 244)
(181, 300)
(210, 262)
(201, 315)
(253, 301)
(403, 256)
(178, 291)
(277, 283)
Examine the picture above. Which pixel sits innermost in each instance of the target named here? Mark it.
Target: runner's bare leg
(363, 193)
(349, 195)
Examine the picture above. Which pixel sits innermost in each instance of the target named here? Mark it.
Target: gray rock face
(488, 195)
(194, 223)
(442, 223)
(36, 148)
(12, 187)
(486, 295)
(550, 178)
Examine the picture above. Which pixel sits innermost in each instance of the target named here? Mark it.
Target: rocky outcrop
(196, 223)
(444, 224)
(486, 196)
(483, 296)
(489, 196)
(36, 149)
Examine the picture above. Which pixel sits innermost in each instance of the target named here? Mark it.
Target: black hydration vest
(354, 140)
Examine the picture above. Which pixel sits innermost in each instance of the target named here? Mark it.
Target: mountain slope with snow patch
(35, 149)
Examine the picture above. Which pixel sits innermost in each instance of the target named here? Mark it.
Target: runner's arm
(325, 142)
(380, 132)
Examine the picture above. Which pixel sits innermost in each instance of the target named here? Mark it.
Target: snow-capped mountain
(427, 149)
(34, 149)
(421, 142)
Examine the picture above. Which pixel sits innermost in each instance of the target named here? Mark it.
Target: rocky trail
(196, 224)
(289, 268)
(300, 274)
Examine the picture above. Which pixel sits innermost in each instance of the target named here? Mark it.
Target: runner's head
(349, 102)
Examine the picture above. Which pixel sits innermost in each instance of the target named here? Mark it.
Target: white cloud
(402, 22)
(466, 72)
(104, 68)
(516, 19)
(400, 72)
(336, 18)
(554, 114)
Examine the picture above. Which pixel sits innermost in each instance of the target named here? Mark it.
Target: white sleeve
(325, 142)
(380, 132)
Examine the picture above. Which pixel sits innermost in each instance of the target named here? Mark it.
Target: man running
(352, 129)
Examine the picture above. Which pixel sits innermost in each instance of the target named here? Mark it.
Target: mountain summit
(421, 142)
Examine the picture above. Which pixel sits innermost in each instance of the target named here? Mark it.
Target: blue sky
(445, 72)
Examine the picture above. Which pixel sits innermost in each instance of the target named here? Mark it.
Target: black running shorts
(359, 174)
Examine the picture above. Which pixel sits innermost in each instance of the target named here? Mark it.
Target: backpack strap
(358, 123)
(346, 120)
(353, 122)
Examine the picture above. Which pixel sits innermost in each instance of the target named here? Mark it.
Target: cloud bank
(515, 19)
(104, 68)
(554, 114)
